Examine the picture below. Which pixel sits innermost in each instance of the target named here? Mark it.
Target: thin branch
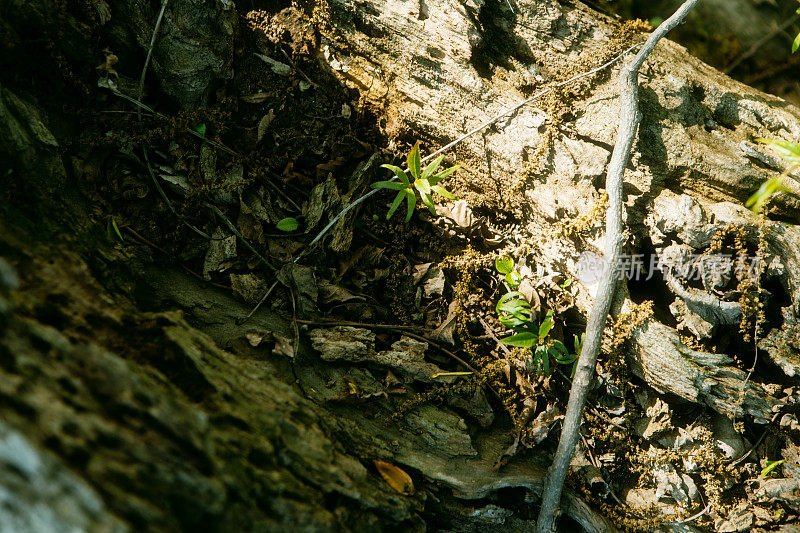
(232, 227)
(334, 323)
(260, 302)
(628, 124)
(693, 517)
(470, 133)
(166, 198)
(150, 53)
(146, 107)
(761, 42)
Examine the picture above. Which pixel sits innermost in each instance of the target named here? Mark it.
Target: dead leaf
(108, 64)
(420, 271)
(434, 285)
(283, 346)
(256, 337)
(255, 98)
(263, 124)
(281, 69)
(448, 327)
(395, 477)
(330, 293)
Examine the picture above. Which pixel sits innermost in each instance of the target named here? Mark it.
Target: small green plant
(796, 42)
(425, 182)
(515, 313)
(790, 152)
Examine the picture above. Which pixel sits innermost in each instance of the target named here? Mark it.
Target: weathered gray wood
(695, 136)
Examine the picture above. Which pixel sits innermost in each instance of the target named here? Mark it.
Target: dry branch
(628, 123)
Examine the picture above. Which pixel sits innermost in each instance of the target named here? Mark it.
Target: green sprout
(425, 182)
(790, 152)
(515, 313)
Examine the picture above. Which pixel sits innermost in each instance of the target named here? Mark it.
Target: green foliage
(113, 230)
(515, 313)
(790, 152)
(796, 43)
(772, 465)
(288, 224)
(425, 182)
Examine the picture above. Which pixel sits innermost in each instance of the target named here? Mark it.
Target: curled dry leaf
(256, 337)
(263, 124)
(256, 98)
(395, 477)
(283, 346)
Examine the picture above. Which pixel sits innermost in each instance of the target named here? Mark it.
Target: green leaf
(201, 129)
(786, 149)
(287, 224)
(393, 185)
(559, 346)
(545, 359)
(112, 229)
(522, 340)
(545, 328)
(511, 322)
(513, 279)
(444, 192)
(757, 201)
(414, 162)
(400, 173)
(448, 374)
(579, 342)
(396, 203)
(443, 174)
(796, 42)
(426, 199)
(772, 465)
(504, 265)
(431, 167)
(422, 186)
(412, 201)
(509, 295)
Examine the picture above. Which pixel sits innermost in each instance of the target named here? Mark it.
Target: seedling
(515, 313)
(425, 182)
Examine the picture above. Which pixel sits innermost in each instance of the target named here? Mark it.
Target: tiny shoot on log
(425, 182)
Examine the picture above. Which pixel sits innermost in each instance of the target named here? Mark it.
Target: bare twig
(741, 459)
(166, 198)
(761, 42)
(260, 302)
(334, 323)
(150, 53)
(693, 517)
(289, 59)
(470, 133)
(628, 123)
(190, 131)
(232, 227)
